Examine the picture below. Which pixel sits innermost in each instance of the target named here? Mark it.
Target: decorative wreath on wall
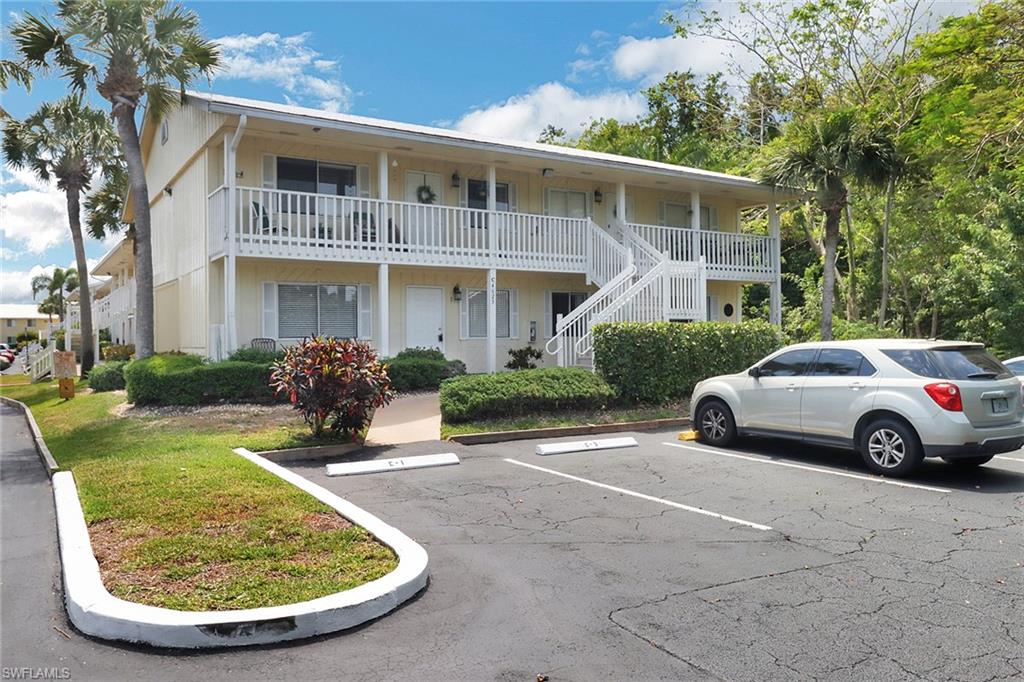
(425, 194)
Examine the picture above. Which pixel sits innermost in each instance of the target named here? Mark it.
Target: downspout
(230, 319)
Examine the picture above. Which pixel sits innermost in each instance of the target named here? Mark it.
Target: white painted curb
(584, 445)
(374, 466)
(96, 612)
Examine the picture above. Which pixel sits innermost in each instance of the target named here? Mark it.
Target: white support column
(230, 156)
(492, 320)
(775, 303)
(383, 300)
(695, 224)
(492, 208)
(382, 176)
(620, 202)
(383, 229)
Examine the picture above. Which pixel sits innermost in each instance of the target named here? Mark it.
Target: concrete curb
(314, 452)
(560, 431)
(49, 463)
(96, 612)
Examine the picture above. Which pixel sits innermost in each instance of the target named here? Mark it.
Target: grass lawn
(178, 520)
(610, 415)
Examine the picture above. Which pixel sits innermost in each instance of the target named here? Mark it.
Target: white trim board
(375, 466)
(586, 445)
(96, 612)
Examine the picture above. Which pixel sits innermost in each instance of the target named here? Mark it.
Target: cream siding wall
(531, 291)
(189, 127)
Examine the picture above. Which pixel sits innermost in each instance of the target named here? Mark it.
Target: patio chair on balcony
(265, 345)
(261, 219)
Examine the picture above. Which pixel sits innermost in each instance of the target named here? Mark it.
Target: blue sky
(499, 68)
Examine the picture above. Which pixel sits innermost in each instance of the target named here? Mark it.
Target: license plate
(1000, 405)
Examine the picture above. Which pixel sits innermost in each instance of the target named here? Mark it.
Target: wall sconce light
(456, 293)
(547, 172)
(239, 174)
(598, 196)
(456, 180)
(168, 191)
(317, 129)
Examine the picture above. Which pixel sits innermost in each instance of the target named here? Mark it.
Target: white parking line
(860, 477)
(1012, 459)
(649, 498)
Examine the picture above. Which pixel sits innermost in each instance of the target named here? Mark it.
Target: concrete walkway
(408, 419)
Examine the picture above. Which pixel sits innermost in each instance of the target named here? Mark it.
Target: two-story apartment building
(279, 222)
(17, 318)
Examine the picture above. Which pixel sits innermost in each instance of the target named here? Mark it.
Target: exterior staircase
(649, 287)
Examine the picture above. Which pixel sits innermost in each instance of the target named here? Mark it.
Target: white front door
(424, 317)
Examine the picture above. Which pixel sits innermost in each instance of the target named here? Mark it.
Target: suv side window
(791, 364)
(840, 362)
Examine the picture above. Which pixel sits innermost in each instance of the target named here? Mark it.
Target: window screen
(339, 311)
(310, 309)
(477, 306)
(296, 311)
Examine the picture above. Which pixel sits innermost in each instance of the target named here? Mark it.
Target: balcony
(727, 255)
(114, 307)
(299, 225)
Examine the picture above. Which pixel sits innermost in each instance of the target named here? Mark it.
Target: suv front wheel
(890, 447)
(715, 423)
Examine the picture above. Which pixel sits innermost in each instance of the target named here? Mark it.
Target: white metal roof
(287, 113)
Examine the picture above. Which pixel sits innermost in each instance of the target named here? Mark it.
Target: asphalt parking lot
(667, 561)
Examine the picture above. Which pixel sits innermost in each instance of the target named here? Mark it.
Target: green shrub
(479, 396)
(108, 376)
(418, 369)
(123, 351)
(659, 361)
(176, 379)
(264, 357)
(842, 330)
(334, 383)
(425, 353)
(523, 358)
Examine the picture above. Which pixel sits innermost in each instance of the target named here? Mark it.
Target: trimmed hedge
(416, 369)
(658, 361)
(264, 357)
(510, 394)
(177, 379)
(108, 376)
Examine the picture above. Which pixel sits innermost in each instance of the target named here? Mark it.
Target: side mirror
(754, 371)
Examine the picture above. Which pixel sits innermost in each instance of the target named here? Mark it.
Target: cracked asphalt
(533, 573)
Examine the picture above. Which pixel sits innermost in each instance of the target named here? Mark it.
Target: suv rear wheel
(890, 447)
(715, 423)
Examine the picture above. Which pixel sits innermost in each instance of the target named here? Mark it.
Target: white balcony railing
(727, 255)
(115, 307)
(285, 224)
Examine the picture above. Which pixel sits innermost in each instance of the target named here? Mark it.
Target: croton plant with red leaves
(335, 384)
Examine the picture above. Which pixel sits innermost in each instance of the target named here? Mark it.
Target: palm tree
(827, 153)
(132, 51)
(56, 285)
(68, 141)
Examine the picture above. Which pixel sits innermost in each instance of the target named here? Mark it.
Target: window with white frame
(561, 303)
(295, 311)
(678, 215)
(567, 203)
(473, 309)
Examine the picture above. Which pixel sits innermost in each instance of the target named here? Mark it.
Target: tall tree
(57, 285)
(827, 153)
(133, 52)
(70, 142)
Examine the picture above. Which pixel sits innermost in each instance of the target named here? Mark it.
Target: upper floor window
(567, 203)
(476, 195)
(165, 132)
(679, 215)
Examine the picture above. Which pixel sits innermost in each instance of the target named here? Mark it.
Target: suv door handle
(856, 385)
(790, 387)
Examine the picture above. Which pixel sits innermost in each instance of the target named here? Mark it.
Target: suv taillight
(946, 396)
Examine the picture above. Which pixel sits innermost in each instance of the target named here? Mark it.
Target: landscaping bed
(546, 420)
(178, 520)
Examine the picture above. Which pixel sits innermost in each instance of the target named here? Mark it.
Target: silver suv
(894, 401)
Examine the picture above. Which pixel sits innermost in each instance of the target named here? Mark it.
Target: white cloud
(35, 217)
(288, 62)
(578, 68)
(16, 285)
(649, 59)
(523, 117)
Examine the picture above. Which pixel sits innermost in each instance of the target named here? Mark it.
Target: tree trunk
(890, 194)
(851, 280)
(139, 190)
(935, 319)
(828, 284)
(84, 298)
